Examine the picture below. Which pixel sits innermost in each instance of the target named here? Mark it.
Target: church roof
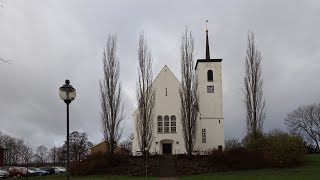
(165, 67)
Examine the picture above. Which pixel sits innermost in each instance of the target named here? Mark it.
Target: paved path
(167, 166)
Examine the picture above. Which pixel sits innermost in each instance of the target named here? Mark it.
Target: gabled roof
(162, 70)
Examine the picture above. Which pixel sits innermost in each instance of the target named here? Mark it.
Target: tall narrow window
(166, 92)
(160, 124)
(173, 124)
(166, 124)
(204, 136)
(210, 75)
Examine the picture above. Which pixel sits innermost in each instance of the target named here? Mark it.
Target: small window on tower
(210, 75)
(210, 89)
(166, 92)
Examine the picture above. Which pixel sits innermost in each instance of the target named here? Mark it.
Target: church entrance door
(167, 148)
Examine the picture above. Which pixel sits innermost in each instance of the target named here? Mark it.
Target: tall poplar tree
(253, 90)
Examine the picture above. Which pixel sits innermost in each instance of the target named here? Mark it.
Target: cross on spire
(206, 25)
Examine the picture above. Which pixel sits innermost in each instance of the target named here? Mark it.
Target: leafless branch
(3, 60)
(17, 151)
(145, 97)
(41, 154)
(305, 121)
(2, 2)
(253, 90)
(111, 95)
(188, 92)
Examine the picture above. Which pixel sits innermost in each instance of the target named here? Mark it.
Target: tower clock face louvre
(210, 89)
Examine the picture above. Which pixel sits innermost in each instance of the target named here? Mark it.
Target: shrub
(282, 149)
(244, 158)
(279, 149)
(100, 164)
(232, 144)
(231, 159)
(118, 164)
(254, 144)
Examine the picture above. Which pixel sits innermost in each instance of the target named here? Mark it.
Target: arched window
(210, 75)
(173, 124)
(166, 124)
(204, 136)
(160, 124)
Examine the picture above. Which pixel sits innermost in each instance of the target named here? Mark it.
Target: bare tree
(41, 155)
(79, 146)
(110, 91)
(62, 154)
(127, 143)
(232, 143)
(14, 149)
(305, 121)
(145, 97)
(27, 154)
(53, 155)
(188, 92)
(253, 92)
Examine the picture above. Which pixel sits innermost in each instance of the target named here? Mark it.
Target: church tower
(211, 121)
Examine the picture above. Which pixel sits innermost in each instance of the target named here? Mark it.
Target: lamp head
(67, 93)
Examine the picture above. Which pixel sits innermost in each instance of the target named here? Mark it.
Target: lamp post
(67, 93)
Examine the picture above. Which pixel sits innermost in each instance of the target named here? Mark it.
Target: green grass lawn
(97, 177)
(311, 170)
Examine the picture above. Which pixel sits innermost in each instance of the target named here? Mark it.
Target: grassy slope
(95, 177)
(311, 170)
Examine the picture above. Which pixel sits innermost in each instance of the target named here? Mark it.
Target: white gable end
(167, 104)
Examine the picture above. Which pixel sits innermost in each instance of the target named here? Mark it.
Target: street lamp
(67, 93)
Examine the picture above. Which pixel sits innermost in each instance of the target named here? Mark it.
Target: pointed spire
(207, 43)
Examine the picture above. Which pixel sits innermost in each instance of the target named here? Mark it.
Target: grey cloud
(49, 41)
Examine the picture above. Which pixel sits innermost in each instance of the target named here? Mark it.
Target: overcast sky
(50, 41)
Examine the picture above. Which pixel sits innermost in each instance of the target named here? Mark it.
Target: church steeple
(207, 58)
(207, 47)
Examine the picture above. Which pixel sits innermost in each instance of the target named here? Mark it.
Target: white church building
(168, 135)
